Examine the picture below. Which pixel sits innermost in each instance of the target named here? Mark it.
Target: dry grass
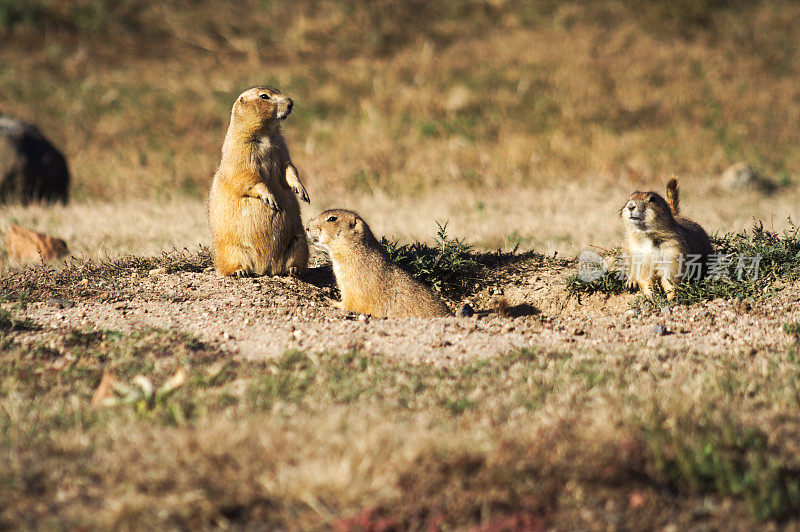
(523, 96)
(553, 438)
(566, 218)
(95, 230)
(519, 123)
(549, 114)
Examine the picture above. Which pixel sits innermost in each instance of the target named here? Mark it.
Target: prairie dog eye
(264, 96)
(651, 199)
(331, 219)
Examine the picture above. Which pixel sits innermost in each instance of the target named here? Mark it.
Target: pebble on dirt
(742, 175)
(60, 303)
(466, 311)
(660, 330)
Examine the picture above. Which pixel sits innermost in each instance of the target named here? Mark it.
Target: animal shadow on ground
(523, 309)
(320, 276)
(516, 311)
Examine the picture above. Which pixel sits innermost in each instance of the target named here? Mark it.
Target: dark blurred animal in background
(31, 168)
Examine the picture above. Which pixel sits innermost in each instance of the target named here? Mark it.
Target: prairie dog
(369, 281)
(661, 244)
(253, 213)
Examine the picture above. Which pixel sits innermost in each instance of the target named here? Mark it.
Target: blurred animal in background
(29, 247)
(31, 168)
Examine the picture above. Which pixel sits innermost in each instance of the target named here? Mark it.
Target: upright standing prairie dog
(369, 281)
(254, 215)
(661, 244)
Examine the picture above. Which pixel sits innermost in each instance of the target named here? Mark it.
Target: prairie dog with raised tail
(662, 245)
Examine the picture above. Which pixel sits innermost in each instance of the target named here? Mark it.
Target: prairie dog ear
(238, 106)
(357, 224)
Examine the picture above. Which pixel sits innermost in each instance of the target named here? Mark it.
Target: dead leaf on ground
(105, 390)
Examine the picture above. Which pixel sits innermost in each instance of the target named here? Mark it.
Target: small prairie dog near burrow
(254, 215)
(368, 280)
(662, 245)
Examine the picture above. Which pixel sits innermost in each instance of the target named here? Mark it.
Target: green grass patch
(609, 283)
(758, 264)
(450, 266)
(719, 454)
(792, 328)
(453, 267)
(301, 378)
(70, 365)
(751, 265)
(9, 323)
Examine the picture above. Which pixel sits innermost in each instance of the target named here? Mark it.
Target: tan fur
(29, 247)
(659, 241)
(368, 280)
(672, 196)
(254, 215)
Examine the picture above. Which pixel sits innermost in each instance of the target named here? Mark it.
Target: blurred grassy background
(404, 98)
(522, 123)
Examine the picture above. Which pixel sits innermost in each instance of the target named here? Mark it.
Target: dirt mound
(522, 304)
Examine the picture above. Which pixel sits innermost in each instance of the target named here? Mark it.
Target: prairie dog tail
(672, 195)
